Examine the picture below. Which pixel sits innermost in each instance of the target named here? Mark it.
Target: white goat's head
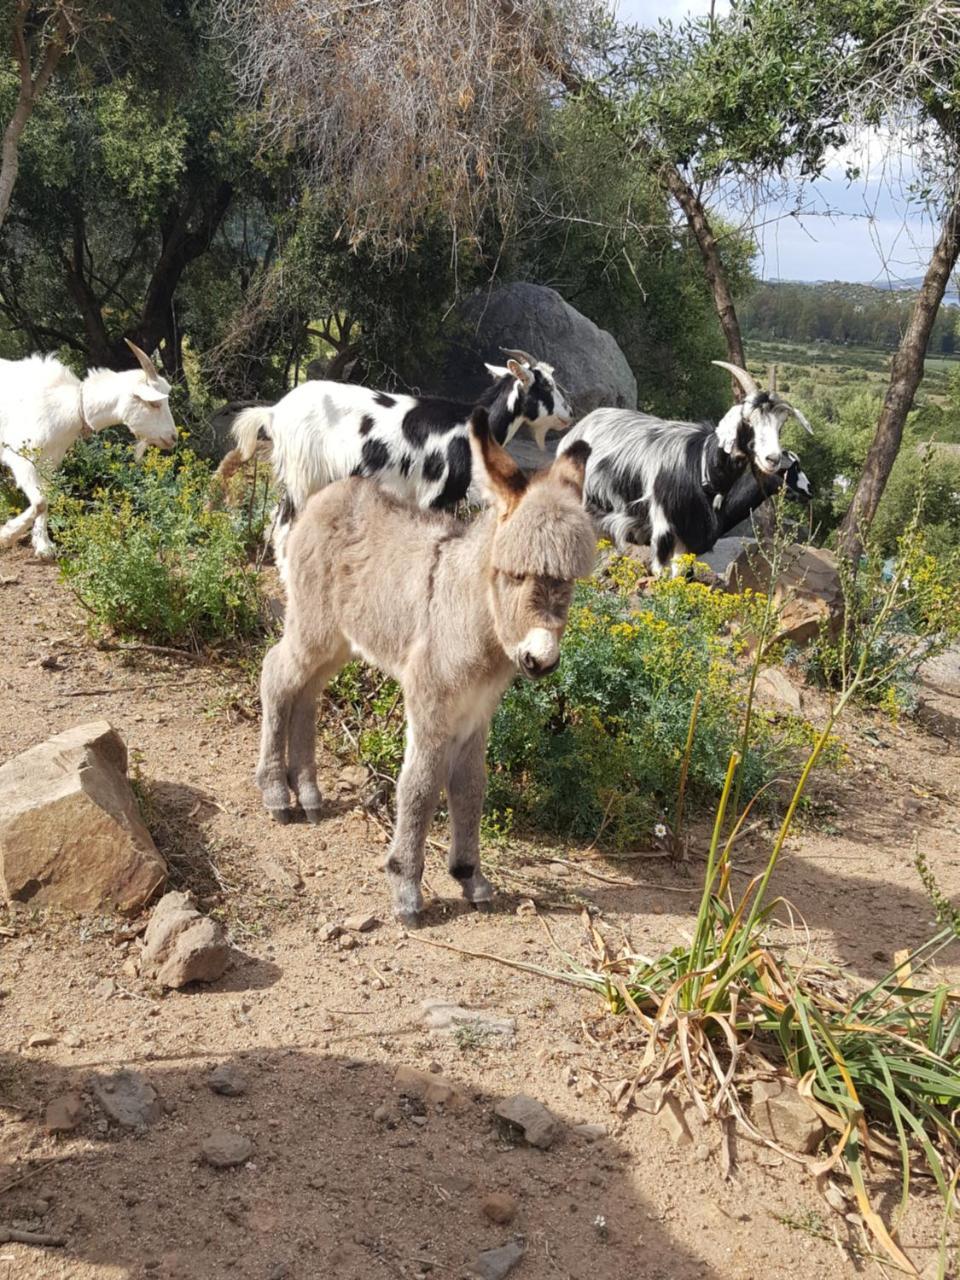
(145, 406)
(751, 429)
(538, 399)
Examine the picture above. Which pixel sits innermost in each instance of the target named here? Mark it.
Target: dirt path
(347, 1180)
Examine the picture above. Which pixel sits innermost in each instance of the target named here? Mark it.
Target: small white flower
(659, 830)
(600, 1222)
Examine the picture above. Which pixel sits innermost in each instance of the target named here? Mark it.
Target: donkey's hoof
(313, 816)
(409, 919)
(483, 907)
(283, 816)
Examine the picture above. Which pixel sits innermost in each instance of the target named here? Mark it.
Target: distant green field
(836, 366)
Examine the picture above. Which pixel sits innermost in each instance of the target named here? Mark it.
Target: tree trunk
(906, 372)
(699, 224)
(31, 87)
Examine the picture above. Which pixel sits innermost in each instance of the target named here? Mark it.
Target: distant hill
(844, 313)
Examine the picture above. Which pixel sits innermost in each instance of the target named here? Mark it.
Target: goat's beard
(139, 449)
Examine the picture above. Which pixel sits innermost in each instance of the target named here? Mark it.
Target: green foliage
(596, 750)
(842, 314)
(369, 716)
(145, 554)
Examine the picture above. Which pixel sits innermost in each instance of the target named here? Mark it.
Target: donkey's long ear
(493, 468)
(570, 467)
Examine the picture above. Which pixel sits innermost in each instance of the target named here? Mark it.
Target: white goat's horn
(741, 375)
(144, 361)
(523, 356)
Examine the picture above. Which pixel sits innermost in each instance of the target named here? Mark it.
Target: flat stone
(539, 1127)
(780, 1113)
(71, 833)
(329, 931)
(227, 1080)
(430, 1088)
(672, 1120)
(128, 1099)
(40, 1039)
(361, 923)
(808, 590)
(592, 1132)
(64, 1113)
(445, 1016)
(225, 1148)
(494, 1264)
(775, 690)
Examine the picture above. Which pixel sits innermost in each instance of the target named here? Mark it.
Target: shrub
(143, 552)
(596, 750)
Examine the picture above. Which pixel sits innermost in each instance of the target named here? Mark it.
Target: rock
(353, 776)
(361, 923)
(40, 1039)
(672, 1120)
(329, 931)
(227, 1080)
(71, 834)
(539, 1127)
(181, 945)
(442, 1015)
(780, 1113)
(723, 553)
(128, 1099)
(346, 942)
(499, 1207)
(592, 1132)
(532, 317)
(774, 690)
(808, 589)
(225, 1148)
(430, 1088)
(130, 967)
(73, 1041)
(104, 989)
(494, 1264)
(64, 1113)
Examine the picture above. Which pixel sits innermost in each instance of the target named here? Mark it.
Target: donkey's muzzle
(534, 669)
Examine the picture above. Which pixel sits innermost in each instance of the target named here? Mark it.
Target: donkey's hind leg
(286, 671)
(302, 739)
(466, 786)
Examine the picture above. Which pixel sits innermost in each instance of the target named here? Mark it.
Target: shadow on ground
(330, 1189)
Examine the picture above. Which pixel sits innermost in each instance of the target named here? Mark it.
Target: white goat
(44, 409)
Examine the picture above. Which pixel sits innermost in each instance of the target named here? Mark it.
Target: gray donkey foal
(449, 610)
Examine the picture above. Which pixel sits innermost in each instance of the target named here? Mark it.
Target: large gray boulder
(531, 317)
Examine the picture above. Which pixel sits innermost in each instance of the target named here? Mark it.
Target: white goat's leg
(25, 474)
(418, 790)
(466, 787)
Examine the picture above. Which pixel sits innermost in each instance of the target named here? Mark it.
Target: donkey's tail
(251, 430)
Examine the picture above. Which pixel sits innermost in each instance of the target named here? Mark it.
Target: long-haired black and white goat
(418, 447)
(676, 486)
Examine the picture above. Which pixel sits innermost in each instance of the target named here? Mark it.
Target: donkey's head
(544, 541)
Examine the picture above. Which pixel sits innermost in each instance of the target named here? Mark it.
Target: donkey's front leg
(418, 791)
(466, 787)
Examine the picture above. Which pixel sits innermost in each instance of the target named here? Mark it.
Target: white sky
(864, 231)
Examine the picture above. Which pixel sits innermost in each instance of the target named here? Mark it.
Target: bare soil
(346, 1179)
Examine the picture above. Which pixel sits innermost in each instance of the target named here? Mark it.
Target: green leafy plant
(596, 750)
(144, 552)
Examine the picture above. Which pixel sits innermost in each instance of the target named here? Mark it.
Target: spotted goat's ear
(493, 468)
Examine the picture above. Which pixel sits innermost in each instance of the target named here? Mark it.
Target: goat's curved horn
(144, 361)
(801, 419)
(523, 356)
(745, 379)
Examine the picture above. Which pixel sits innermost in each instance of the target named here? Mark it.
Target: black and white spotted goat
(678, 486)
(417, 447)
